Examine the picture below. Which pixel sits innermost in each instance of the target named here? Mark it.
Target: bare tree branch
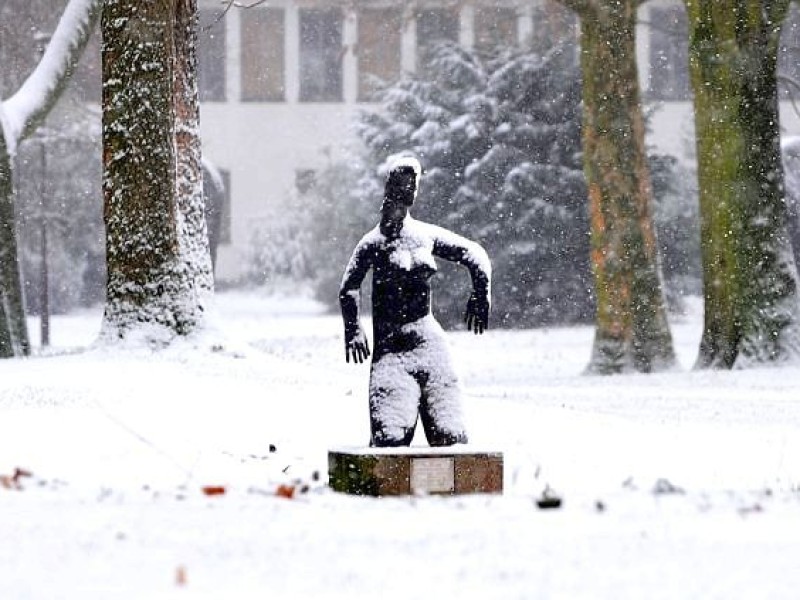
(29, 106)
(228, 4)
(251, 5)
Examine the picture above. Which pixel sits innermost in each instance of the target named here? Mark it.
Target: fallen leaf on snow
(12, 482)
(214, 490)
(285, 491)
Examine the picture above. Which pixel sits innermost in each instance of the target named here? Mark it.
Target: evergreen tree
(499, 139)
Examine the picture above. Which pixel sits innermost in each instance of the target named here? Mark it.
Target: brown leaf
(285, 491)
(12, 482)
(214, 490)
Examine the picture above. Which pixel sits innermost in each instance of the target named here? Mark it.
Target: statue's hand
(477, 314)
(357, 346)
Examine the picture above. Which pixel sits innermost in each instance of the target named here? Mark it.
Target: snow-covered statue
(412, 373)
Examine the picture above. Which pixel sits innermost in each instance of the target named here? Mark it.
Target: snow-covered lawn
(679, 485)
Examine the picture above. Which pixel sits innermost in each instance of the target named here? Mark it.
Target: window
(262, 55)
(321, 54)
(789, 55)
(379, 47)
(495, 28)
(669, 54)
(211, 56)
(435, 25)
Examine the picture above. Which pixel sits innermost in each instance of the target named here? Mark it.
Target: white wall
(262, 145)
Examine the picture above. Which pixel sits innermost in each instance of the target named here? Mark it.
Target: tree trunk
(159, 273)
(632, 333)
(13, 329)
(750, 279)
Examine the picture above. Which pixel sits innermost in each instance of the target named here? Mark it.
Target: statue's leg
(440, 409)
(440, 404)
(393, 402)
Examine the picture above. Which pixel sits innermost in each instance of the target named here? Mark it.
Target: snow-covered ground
(678, 485)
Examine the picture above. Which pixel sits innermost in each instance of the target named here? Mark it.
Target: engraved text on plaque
(433, 475)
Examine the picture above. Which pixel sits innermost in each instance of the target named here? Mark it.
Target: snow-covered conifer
(499, 138)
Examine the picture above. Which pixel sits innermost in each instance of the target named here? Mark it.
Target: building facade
(281, 83)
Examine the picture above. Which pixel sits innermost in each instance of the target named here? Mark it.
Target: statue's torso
(401, 291)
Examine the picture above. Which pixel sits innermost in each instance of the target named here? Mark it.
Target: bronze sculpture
(412, 373)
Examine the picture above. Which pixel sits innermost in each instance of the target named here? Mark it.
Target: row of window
(378, 50)
(321, 48)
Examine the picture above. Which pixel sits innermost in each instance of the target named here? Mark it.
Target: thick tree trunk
(159, 273)
(750, 279)
(632, 332)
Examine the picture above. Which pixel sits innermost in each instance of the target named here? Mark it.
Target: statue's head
(402, 181)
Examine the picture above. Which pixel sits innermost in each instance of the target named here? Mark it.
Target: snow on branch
(6, 143)
(29, 106)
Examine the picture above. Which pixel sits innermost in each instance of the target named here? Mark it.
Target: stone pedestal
(417, 470)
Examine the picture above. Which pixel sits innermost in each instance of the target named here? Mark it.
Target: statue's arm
(355, 340)
(458, 249)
